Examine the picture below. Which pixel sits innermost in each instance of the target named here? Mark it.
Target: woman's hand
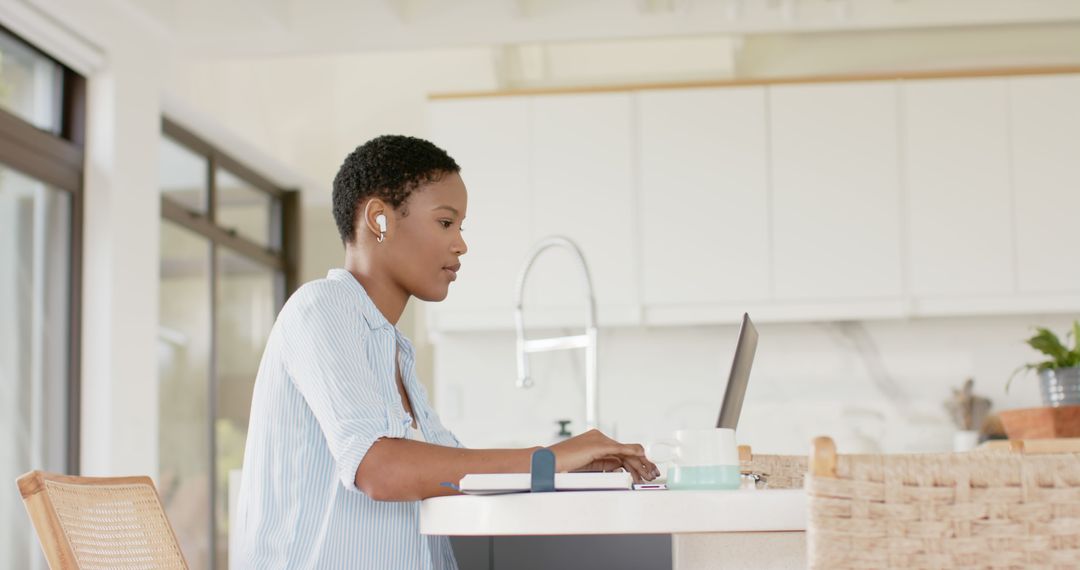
(594, 451)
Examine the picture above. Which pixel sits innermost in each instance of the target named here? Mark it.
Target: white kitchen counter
(615, 512)
(751, 529)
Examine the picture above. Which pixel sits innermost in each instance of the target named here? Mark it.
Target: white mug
(699, 459)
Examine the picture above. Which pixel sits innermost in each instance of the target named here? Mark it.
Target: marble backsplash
(872, 386)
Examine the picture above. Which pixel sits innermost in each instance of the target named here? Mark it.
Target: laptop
(730, 408)
(735, 391)
(739, 376)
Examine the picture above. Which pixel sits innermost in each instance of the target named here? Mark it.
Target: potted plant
(1059, 382)
(1059, 374)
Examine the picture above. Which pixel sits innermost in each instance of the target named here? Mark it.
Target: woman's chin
(433, 295)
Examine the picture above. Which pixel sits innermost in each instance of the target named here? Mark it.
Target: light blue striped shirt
(326, 391)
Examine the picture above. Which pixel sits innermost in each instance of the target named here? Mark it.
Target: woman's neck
(388, 297)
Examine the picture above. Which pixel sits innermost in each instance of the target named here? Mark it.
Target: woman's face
(424, 246)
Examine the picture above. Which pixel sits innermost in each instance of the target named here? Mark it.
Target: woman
(342, 442)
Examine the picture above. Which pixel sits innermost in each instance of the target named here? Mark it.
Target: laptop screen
(740, 375)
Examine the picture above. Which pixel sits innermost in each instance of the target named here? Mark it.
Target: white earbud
(381, 220)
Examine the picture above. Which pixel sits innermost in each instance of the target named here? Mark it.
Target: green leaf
(1046, 342)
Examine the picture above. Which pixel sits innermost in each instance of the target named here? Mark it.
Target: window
(41, 156)
(33, 85)
(228, 257)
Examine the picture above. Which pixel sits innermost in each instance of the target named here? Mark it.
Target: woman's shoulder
(327, 298)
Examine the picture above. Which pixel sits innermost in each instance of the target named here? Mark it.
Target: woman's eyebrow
(451, 208)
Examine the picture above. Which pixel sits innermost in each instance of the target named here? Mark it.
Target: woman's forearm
(407, 470)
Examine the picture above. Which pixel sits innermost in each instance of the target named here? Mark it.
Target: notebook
(497, 483)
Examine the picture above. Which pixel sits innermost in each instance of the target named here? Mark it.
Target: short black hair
(389, 167)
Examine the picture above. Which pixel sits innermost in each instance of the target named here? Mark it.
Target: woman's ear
(375, 219)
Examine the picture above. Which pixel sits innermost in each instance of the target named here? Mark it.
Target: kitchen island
(760, 529)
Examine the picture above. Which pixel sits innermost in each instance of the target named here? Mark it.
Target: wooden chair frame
(54, 539)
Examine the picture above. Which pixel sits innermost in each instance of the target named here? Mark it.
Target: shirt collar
(372, 316)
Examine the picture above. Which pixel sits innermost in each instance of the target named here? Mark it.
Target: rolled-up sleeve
(334, 361)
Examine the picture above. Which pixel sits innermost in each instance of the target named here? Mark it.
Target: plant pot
(1060, 386)
(1041, 423)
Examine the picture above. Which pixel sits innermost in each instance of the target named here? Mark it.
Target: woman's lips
(452, 270)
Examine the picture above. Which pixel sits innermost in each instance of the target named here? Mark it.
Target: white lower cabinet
(651, 551)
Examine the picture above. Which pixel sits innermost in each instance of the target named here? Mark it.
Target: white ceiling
(223, 28)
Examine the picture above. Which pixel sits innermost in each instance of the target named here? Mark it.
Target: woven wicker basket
(776, 471)
(965, 510)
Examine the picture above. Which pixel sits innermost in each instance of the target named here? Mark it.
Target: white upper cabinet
(489, 139)
(583, 176)
(1046, 181)
(703, 157)
(813, 201)
(956, 148)
(835, 197)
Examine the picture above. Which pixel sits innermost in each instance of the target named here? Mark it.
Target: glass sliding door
(226, 262)
(184, 360)
(34, 276)
(40, 255)
(252, 213)
(247, 302)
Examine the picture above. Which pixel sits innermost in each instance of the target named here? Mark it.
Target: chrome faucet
(586, 340)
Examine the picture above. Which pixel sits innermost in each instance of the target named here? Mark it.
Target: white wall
(120, 263)
(903, 50)
(261, 28)
(123, 58)
(311, 111)
(872, 386)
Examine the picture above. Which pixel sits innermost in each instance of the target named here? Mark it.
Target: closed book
(496, 483)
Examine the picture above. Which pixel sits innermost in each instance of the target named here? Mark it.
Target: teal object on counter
(704, 477)
(543, 471)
